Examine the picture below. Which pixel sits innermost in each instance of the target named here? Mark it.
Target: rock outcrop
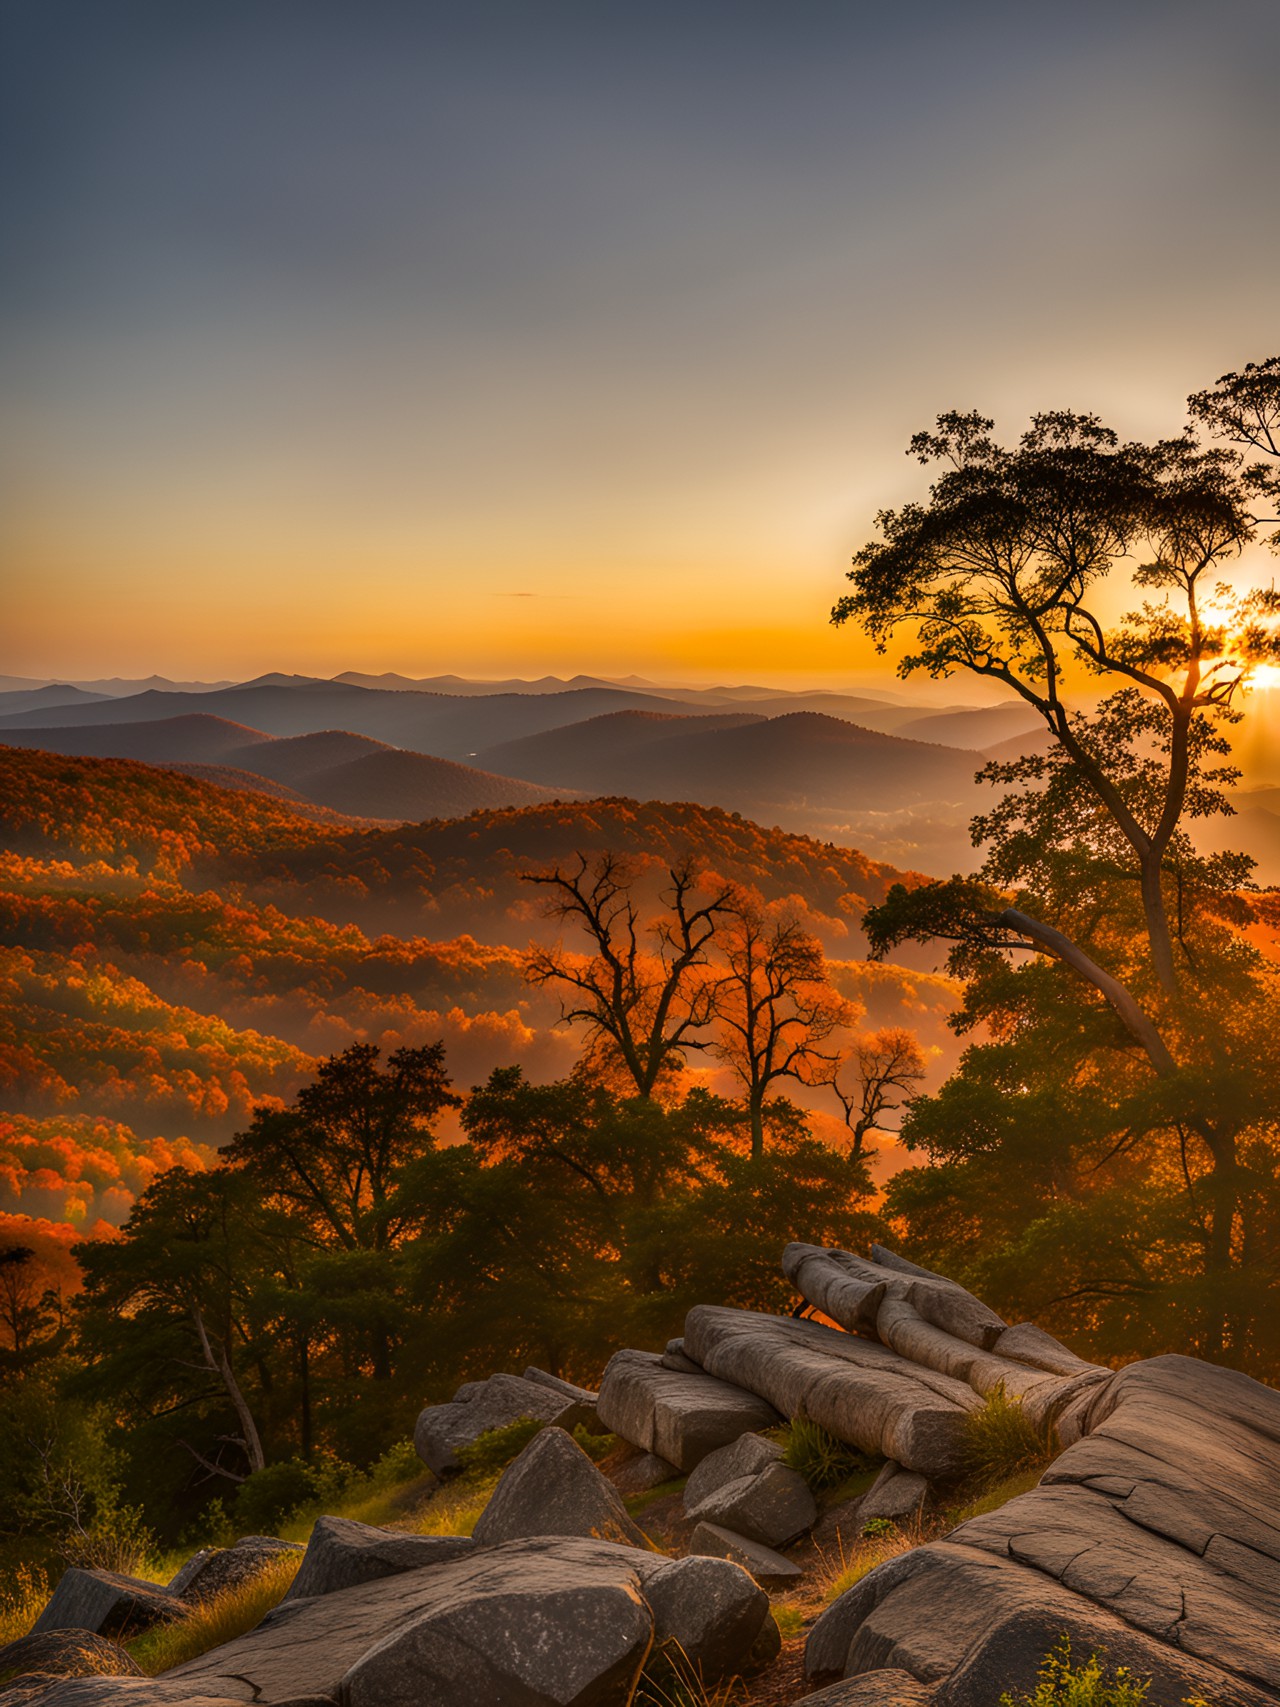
(1156, 1536)
(215, 1569)
(106, 1603)
(544, 1620)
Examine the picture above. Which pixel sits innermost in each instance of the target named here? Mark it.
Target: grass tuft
(232, 1613)
(1001, 1441)
(874, 1550)
(823, 1461)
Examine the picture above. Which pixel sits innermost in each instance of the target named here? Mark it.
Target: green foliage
(497, 1447)
(596, 1446)
(269, 1497)
(819, 1457)
(1088, 1684)
(878, 1528)
(1000, 1441)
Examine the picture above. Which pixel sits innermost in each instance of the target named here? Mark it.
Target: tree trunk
(756, 1104)
(304, 1377)
(1158, 933)
(222, 1368)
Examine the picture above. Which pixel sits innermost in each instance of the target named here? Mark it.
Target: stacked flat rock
(479, 1406)
(1155, 1536)
(934, 1324)
(676, 1415)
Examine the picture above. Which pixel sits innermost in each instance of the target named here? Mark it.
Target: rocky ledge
(1154, 1535)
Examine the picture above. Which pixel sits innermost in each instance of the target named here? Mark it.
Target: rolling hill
(801, 761)
(334, 769)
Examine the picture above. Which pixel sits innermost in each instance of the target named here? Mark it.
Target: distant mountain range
(748, 763)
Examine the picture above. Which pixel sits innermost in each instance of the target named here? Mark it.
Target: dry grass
(455, 1508)
(995, 1497)
(232, 1613)
(22, 1600)
(839, 1575)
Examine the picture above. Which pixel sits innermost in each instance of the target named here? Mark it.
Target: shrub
(878, 1528)
(1001, 1441)
(596, 1446)
(1060, 1684)
(399, 1463)
(266, 1498)
(496, 1447)
(116, 1540)
(819, 1457)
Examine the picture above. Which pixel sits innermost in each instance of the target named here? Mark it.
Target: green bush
(877, 1528)
(399, 1463)
(496, 1447)
(269, 1496)
(819, 1457)
(1001, 1441)
(1061, 1684)
(596, 1446)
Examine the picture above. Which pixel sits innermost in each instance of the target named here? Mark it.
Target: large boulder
(1155, 1536)
(543, 1622)
(576, 1636)
(774, 1506)
(213, 1569)
(40, 1690)
(66, 1653)
(106, 1603)
(553, 1488)
(342, 1553)
(872, 1689)
(762, 1562)
(708, 1616)
(679, 1417)
(746, 1456)
(479, 1406)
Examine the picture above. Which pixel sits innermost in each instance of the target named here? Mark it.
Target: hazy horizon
(507, 343)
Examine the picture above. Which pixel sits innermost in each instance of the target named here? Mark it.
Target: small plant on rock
(878, 1528)
(1059, 1683)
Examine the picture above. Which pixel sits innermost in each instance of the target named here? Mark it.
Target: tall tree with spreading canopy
(1138, 986)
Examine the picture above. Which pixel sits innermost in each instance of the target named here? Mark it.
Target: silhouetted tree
(774, 1004)
(645, 1009)
(873, 1078)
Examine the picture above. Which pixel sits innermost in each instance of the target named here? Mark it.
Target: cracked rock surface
(1156, 1536)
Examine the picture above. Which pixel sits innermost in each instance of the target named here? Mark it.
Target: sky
(552, 337)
